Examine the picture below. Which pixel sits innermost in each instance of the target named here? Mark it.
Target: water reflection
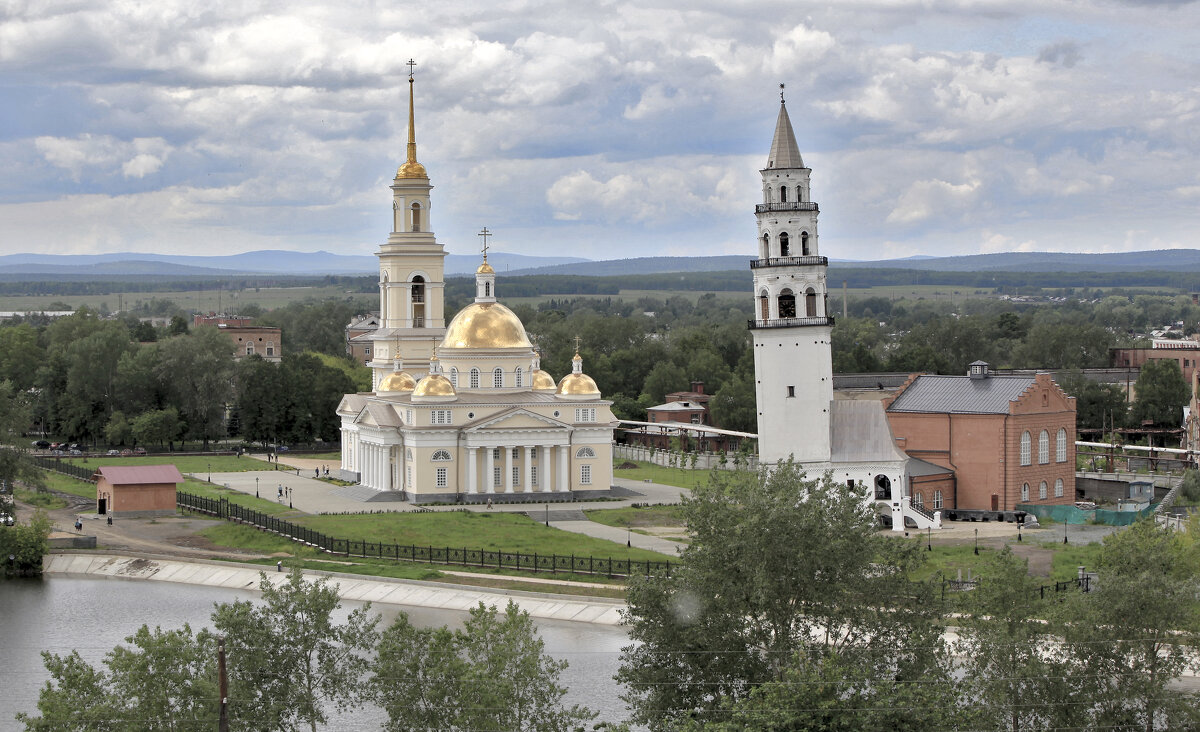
(59, 614)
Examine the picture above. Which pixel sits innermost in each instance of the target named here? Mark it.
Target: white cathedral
(798, 417)
(463, 412)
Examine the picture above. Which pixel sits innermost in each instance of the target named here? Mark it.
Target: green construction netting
(1073, 515)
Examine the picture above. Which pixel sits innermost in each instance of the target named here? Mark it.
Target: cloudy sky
(598, 128)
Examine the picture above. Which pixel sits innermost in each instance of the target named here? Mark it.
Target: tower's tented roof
(785, 153)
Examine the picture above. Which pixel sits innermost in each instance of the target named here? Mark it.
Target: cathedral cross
(781, 93)
(577, 341)
(485, 234)
(410, 66)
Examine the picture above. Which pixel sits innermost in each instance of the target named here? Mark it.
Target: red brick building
(1008, 439)
(266, 341)
(1186, 353)
(136, 490)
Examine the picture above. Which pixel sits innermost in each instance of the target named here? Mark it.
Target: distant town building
(359, 338)
(1008, 439)
(266, 341)
(1185, 352)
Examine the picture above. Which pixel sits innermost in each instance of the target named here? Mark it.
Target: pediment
(517, 418)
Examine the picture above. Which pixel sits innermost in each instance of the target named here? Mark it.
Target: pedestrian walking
(489, 504)
(110, 520)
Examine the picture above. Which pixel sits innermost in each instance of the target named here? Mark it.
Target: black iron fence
(58, 465)
(427, 554)
(1083, 584)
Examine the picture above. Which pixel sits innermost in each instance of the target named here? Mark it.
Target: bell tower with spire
(411, 270)
(793, 368)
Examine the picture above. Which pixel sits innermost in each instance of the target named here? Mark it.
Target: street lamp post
(210, 472)
(976, 542)
(256, 486)
(929, 538)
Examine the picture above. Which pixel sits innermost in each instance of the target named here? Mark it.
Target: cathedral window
(764, 305)
(517, 375)
(804, 243)
(454, 377)
(497, 474)
(585, 414)
(418, 290)
(487, 289)
(1043, 447)
(787, 304)
(474, 378)
(1026, 448)
(1060, 447)
(516, 476)
(810, 303)
(441, 456)
(440, 416)
(783, 194)
(498, 378)
(495, 453)
(416, 217)
(533, 475)
(585, 474)
(784, 245)
(516, 453)
(533, 453)
(442, 477)
(766, 247)
(799, 193)
(585, 452)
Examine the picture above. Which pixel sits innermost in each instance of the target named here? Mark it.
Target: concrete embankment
(415, 593)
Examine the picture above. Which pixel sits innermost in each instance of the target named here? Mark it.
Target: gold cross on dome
(485, 234)
(577, 341)
(410, 66)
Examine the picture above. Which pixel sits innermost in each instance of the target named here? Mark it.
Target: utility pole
(223, 718)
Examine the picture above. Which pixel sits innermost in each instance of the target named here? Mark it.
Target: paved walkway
(314, 496)
(415, 593)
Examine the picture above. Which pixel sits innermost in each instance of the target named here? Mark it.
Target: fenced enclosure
(423, 554)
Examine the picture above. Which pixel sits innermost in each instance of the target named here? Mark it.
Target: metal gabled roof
(961, 394)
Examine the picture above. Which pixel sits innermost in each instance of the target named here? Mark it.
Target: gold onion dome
(543, 381)
(398, 381)
(578, 385)
(485, 325)
(434, 385)
(485, 268)
(412, 169)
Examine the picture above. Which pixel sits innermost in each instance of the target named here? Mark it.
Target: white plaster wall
(796, 426)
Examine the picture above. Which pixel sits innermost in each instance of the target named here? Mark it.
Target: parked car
(114, 452)
(139, 451)
(6, 519)
(76, 452)
(127, 452)
(41, 444)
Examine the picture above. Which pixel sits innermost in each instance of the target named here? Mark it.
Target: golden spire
(411, 168)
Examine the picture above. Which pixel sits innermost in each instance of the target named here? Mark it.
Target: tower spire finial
(411, 168)
(781, 99)
(485, 234)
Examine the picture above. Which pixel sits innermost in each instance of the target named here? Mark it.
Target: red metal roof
(140, 474)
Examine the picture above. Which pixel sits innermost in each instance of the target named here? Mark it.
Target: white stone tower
(411, 272)
(793, 369)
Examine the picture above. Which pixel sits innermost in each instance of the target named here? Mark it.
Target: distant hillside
(257, 262)
(1166, 260)
(643, 265)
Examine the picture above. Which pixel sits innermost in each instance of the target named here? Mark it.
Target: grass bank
(198, 464)
(680, 478)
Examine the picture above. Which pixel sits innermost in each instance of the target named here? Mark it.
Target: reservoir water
(60, 614)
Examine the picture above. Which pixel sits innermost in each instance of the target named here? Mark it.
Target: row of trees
(790, 611)
(291, 664)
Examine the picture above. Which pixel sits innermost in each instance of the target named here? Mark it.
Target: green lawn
(624, 518)
(473, 530)
(659, 474)
(199, 464)
(208, 490)
(67, 484)
(40, 499)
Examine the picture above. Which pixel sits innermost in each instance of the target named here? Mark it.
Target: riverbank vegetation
(23, 545)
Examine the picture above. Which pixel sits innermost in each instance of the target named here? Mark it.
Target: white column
(564, 477)
(345, 447)
(508, 481)
(471, 487)
(489, 466)
(547, 476)
(367, 466)
(528, 469)
(385, 464)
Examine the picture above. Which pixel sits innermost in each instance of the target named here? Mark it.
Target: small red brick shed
(136, 490)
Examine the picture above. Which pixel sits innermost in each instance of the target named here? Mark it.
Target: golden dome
(434, 385)
(412, 169)
(578, 385)
(397, 381)
(544, 381)
(485, 268)
(485, 325)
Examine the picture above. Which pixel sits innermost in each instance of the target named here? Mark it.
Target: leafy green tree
(492, 674)
(178, 326)
(158, 427)
(20, 355)
(118, 431)
(86, 402)
(1129, 640)
(1096, 405)
(197, 371)
(1161, 393)
(1065, 345)
(734, 406)
(665, 378)
(1010, 680)
(781, 573)
(14, 419)
(289, 658)
(27, 544)
(260, 398)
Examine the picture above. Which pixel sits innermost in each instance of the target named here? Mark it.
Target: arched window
(1026, 448)
(454, 376)
(441, 456)
(498, 378)
(474, 378)
(1060, 446)
(783, 194)
(1043, 447)
(487, 289)
(766, 247)
(1024, 491)
(799, 193)
(804, 243)
(1058, 488)
(787, 304)
(1042, 491)
(585, 452)
(784, 245)
(416, 217)
(517, 376)
(883, 488)
(764, 305)
(810, 303)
